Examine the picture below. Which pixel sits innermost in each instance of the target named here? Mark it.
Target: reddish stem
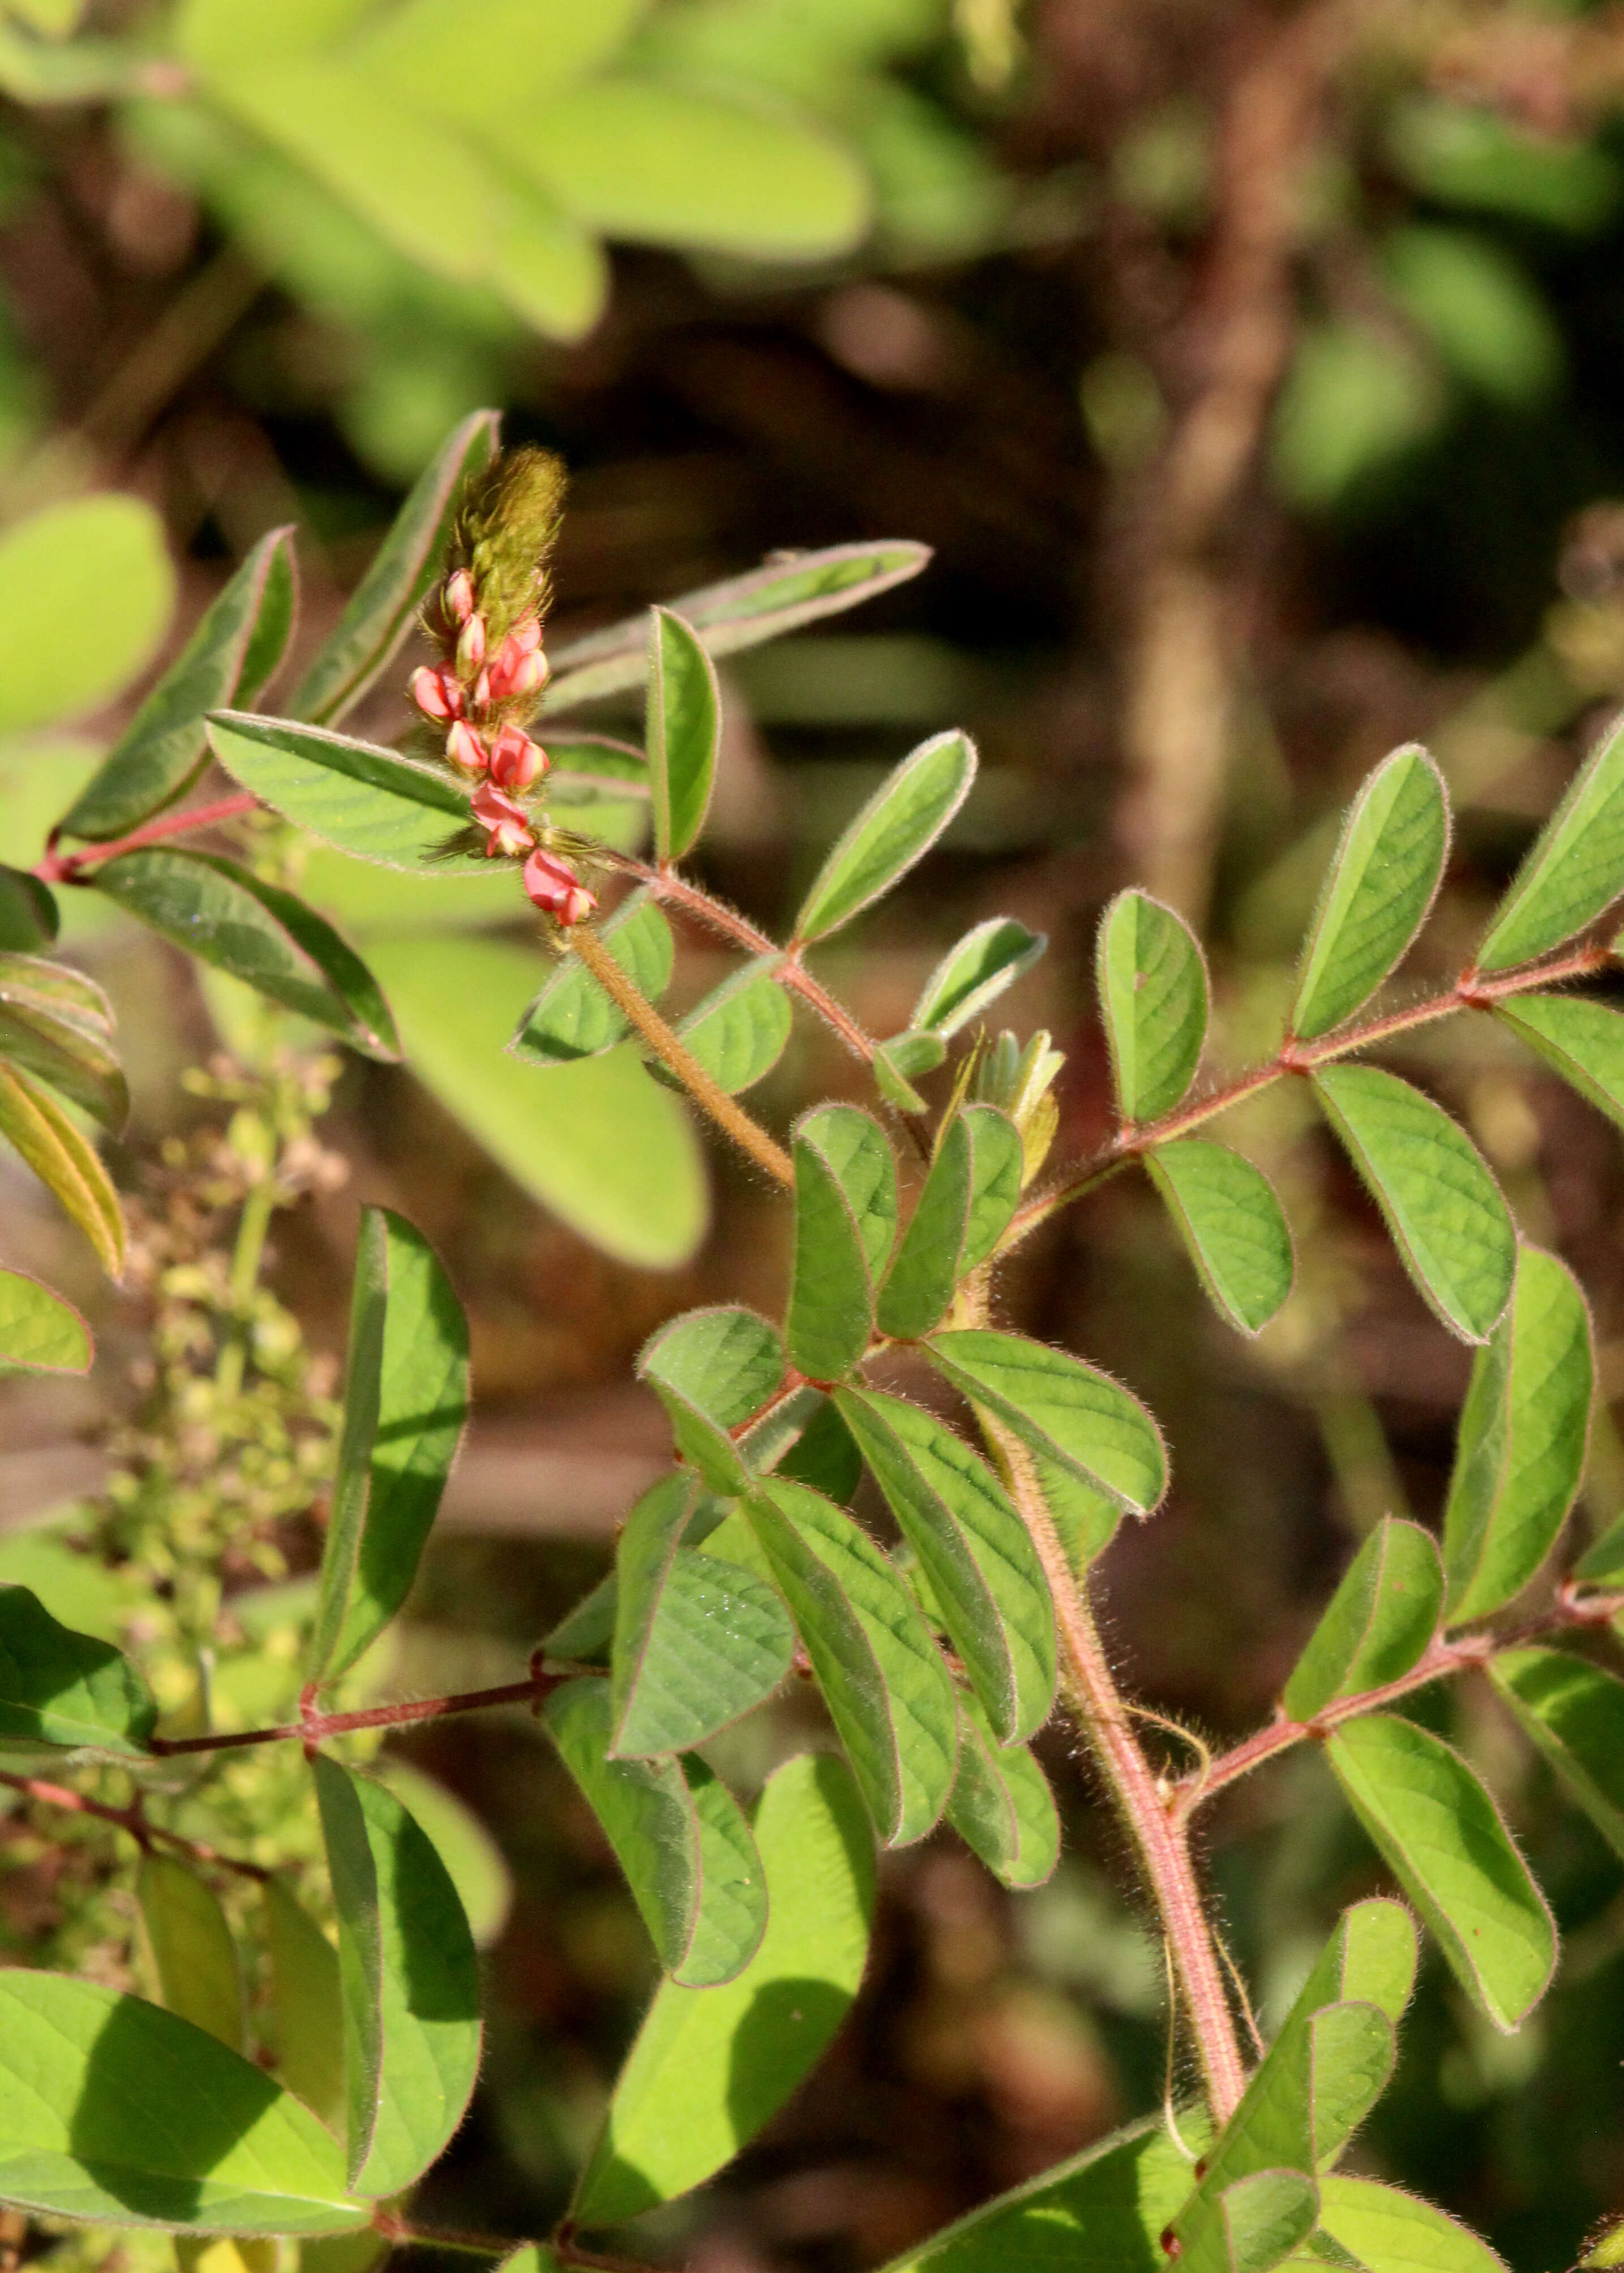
(131, 1819)
(65, 868)
(315, 1728)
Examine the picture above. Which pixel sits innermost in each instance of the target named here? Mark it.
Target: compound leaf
(1389, 861)
(975, 973)
(1377, 1623)
(895, 829)
(1441, 1835)
(115, 2112)
(1001, 1805)
(1154, 998)
(38, 1329)
(227, 659)
(384, 603)
(975, 1551)
(685, 725)
(708, 2068)
(1574, 869)
(1451, 1229)
(1574, 1714)
(1522, 1437)
(43, 1135)
(62, 1688)
(1232, 1224)
(1080, 1419)
(226, 916)
(572, 1016)
(888, 1692)
(408, 1978)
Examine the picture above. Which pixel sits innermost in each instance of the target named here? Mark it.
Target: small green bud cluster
(1020, 1081)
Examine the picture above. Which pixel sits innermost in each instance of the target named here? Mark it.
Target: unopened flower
(465, 750)
(436, 694)
(516, 670)
(556, 889)
(516, 762)
(459, 596)
(507, 826)
(525, 637)
(471, 646)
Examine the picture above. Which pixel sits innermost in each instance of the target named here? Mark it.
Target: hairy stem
(315, 1727)
(1472, 991)
(1159, 1839)
(67, 867)
(729, 1117)
(131, 1819)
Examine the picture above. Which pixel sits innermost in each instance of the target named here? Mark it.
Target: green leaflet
(383, 605)
(307, 2004)
(975, 1550)
(1369, 1963)
(354, 796)
(895, 1062)
(741, 612)
(858, 1151)
(406, 1397)
(38, 1329)
(409, 1982)
(740, 1030)
(1001, 1805)
(895, 829)
(830, 1314)
(1380, 884)
(472, 1858)
(698, 1644)
(1254, 2225)
(1523, 1436)
(29, 916)
(888, 1692)
(233, 652)
(685, 725)
(1451, 1227)
(1152, 997)
(1232, 1222)
(598, 1142)
(1085, 1518)
(1105, 2208)
(1391, 2231)
(58, 1024)
(572, 1016)
(87, 589)
(191, 1949)
(1377, 1623)
(1574, 869)
(1442, 1834)
(115, 2112)
(1584, 1041)
(38, 1128)
(62, 1688)
(1065, 1410)
(712, 1369)
(708, 2068)
(824, 1455)
(226, 916)
(1574, 1714)
(679, 1836)
(974, 974)
(962, 1211)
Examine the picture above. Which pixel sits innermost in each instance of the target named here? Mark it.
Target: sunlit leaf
(307, 2004)
(1584, 1041)
(1377, 1623)
(474, 1862)
(685, 724)
(354, 796)
(572, 1017)
(1066, 1411)
(43, 1135)
(1153, 995)
(85, 591)
(1391, 2231)
(740, 1030)
(66, 1688)
(1574, 869)
(895, 829)
(1232, 1222)
(975, 973)
(831, 1311)
(1001, 1806)
(58, 1025)
(1381, 883)
(191, 1949)
(962, 1211)
(1574, 1711)
(38, 1329)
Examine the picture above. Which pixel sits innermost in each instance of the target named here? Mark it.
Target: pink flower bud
(480, 698)
(465, 750)
(436, 694)
(525, 636)
(516, 670)
(505, 824)
(556, 889)
(516, 762)
(459, 596)
(471, 646)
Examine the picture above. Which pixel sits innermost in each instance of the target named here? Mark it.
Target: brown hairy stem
(729, 1117)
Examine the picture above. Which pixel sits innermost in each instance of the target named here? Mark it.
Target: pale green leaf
(86, 592)
(1389, 2231)
(975, 1551)
(1441, 1835)
(709, 2067)
(307, 2004)
(1523, 1436)
(44, 1134)
(712, 1369)
(859, 1152)
(572, 1017)
(740, 1030)
(598, 1142)
(896, 1060)
(1381, 883)
(38, 1329)
(1153, 995)
(58, 1025)
(437, 52)
(1574, 869)
(895, 829)
(66, 1688)
(730, 1915)
(1232, 1222)
(1451, 1226)
(685, 725)
(354, 796)
(1574, 1711)
(409, 1980)
(975, 973)
(115, 2112)
(739, 612)
(1584, 1041)
(1001, 1806)
(1377, 1623)
(233, 919)
(888, 1692)
(229, 658)
(191, 1948)
(962, 1211)
(1066, 1411)
(830, 1313)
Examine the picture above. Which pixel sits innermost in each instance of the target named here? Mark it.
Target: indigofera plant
(1006, 1464)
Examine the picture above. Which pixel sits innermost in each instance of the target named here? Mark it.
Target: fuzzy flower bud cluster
(486, 617)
